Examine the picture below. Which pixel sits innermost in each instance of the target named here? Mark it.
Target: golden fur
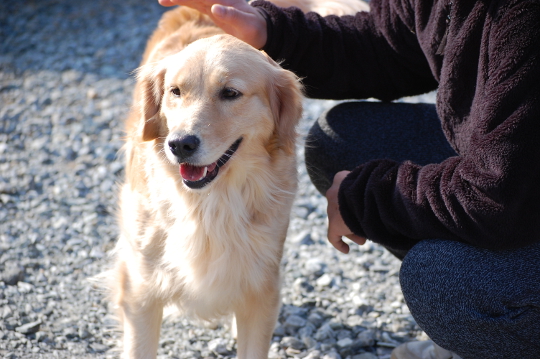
(214, 250)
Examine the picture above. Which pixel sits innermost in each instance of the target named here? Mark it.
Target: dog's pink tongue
(192, 173)
(195, 173)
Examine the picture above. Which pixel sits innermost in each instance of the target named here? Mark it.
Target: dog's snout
(184, 147)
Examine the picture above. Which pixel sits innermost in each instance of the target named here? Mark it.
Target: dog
(210, 181)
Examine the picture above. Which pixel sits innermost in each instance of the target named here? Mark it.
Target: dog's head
(214, 98)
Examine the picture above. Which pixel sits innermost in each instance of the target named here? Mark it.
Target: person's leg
(353, 133)
(475, 302)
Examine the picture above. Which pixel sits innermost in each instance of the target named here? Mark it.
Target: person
(452, 189)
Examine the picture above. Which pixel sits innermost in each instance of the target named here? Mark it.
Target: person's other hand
(336, 226)
(235, 17)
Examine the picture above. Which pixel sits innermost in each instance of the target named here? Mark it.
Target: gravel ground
(65, 88)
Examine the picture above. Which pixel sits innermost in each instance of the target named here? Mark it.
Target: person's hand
(336, 226)
(235, 17)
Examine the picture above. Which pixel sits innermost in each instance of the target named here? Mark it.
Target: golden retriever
(210, 181)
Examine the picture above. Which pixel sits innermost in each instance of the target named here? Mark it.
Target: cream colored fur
(216, 250)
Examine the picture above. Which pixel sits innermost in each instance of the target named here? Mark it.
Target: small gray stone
(83, 333)
(314, 266)
(6, 312)
(324, 332)
(41, 336)
(99, 348)
(325, 280)
(331, 355)
(365, 356)
(310, 342)
(219, 346)
(307, 330)
(292, 342)
(70, 333)
(335, 324)
(313, 355)
(29, 328)
(343, 333)
(316, 319)
(345, 342)
(366, 338)
(301, 237)
(279, 330)
(301, 285)
(12, 274)
(295, 321)
(11, 323)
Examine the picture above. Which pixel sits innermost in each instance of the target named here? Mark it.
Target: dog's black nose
(185, 146)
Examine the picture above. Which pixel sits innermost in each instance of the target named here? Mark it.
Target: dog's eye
(175, 91)
(229, 93)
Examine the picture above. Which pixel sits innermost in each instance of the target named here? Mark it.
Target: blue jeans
(474, 302)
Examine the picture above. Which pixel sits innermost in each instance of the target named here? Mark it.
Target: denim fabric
(475, 302)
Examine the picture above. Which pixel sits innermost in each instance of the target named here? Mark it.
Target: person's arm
(490, 195)
(372, 54)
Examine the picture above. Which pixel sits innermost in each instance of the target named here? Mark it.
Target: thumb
(246, 23)
(226, 14)
(356, 238)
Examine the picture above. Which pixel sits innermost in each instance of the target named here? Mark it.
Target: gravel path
(65, 87)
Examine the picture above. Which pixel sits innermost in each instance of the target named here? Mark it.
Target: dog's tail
(326, 7)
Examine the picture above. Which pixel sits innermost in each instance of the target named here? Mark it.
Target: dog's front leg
(256, 320)
(141, 315)
(141, 332)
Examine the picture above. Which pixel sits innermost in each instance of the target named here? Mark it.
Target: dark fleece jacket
(484, 58)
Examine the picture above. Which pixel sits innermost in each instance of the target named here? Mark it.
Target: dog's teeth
(205, 172)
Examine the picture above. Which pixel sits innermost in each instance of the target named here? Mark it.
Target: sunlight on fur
(210, 181)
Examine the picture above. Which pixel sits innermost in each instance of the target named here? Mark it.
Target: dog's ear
(286, 101)
(151, 82)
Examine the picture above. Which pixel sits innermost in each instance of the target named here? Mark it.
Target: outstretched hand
(336, 226)
(235, 17)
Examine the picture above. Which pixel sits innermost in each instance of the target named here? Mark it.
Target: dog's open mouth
(196, 177)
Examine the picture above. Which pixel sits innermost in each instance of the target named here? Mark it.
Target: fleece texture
(484, 59)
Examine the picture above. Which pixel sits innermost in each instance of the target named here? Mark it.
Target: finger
(356, 239)
(334, 188)
(242, 21)
(338, 244)
(166, 3)
(219, 11)
(340, 176)
(229, 14)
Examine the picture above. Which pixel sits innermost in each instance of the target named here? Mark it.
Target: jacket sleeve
(372, 54)
(489, 196)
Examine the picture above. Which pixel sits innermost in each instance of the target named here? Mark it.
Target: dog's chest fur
(212, 248)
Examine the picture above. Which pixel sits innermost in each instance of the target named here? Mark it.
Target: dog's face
(212, 100)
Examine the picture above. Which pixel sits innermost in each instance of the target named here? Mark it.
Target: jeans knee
(426, 292)
(469, 303)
